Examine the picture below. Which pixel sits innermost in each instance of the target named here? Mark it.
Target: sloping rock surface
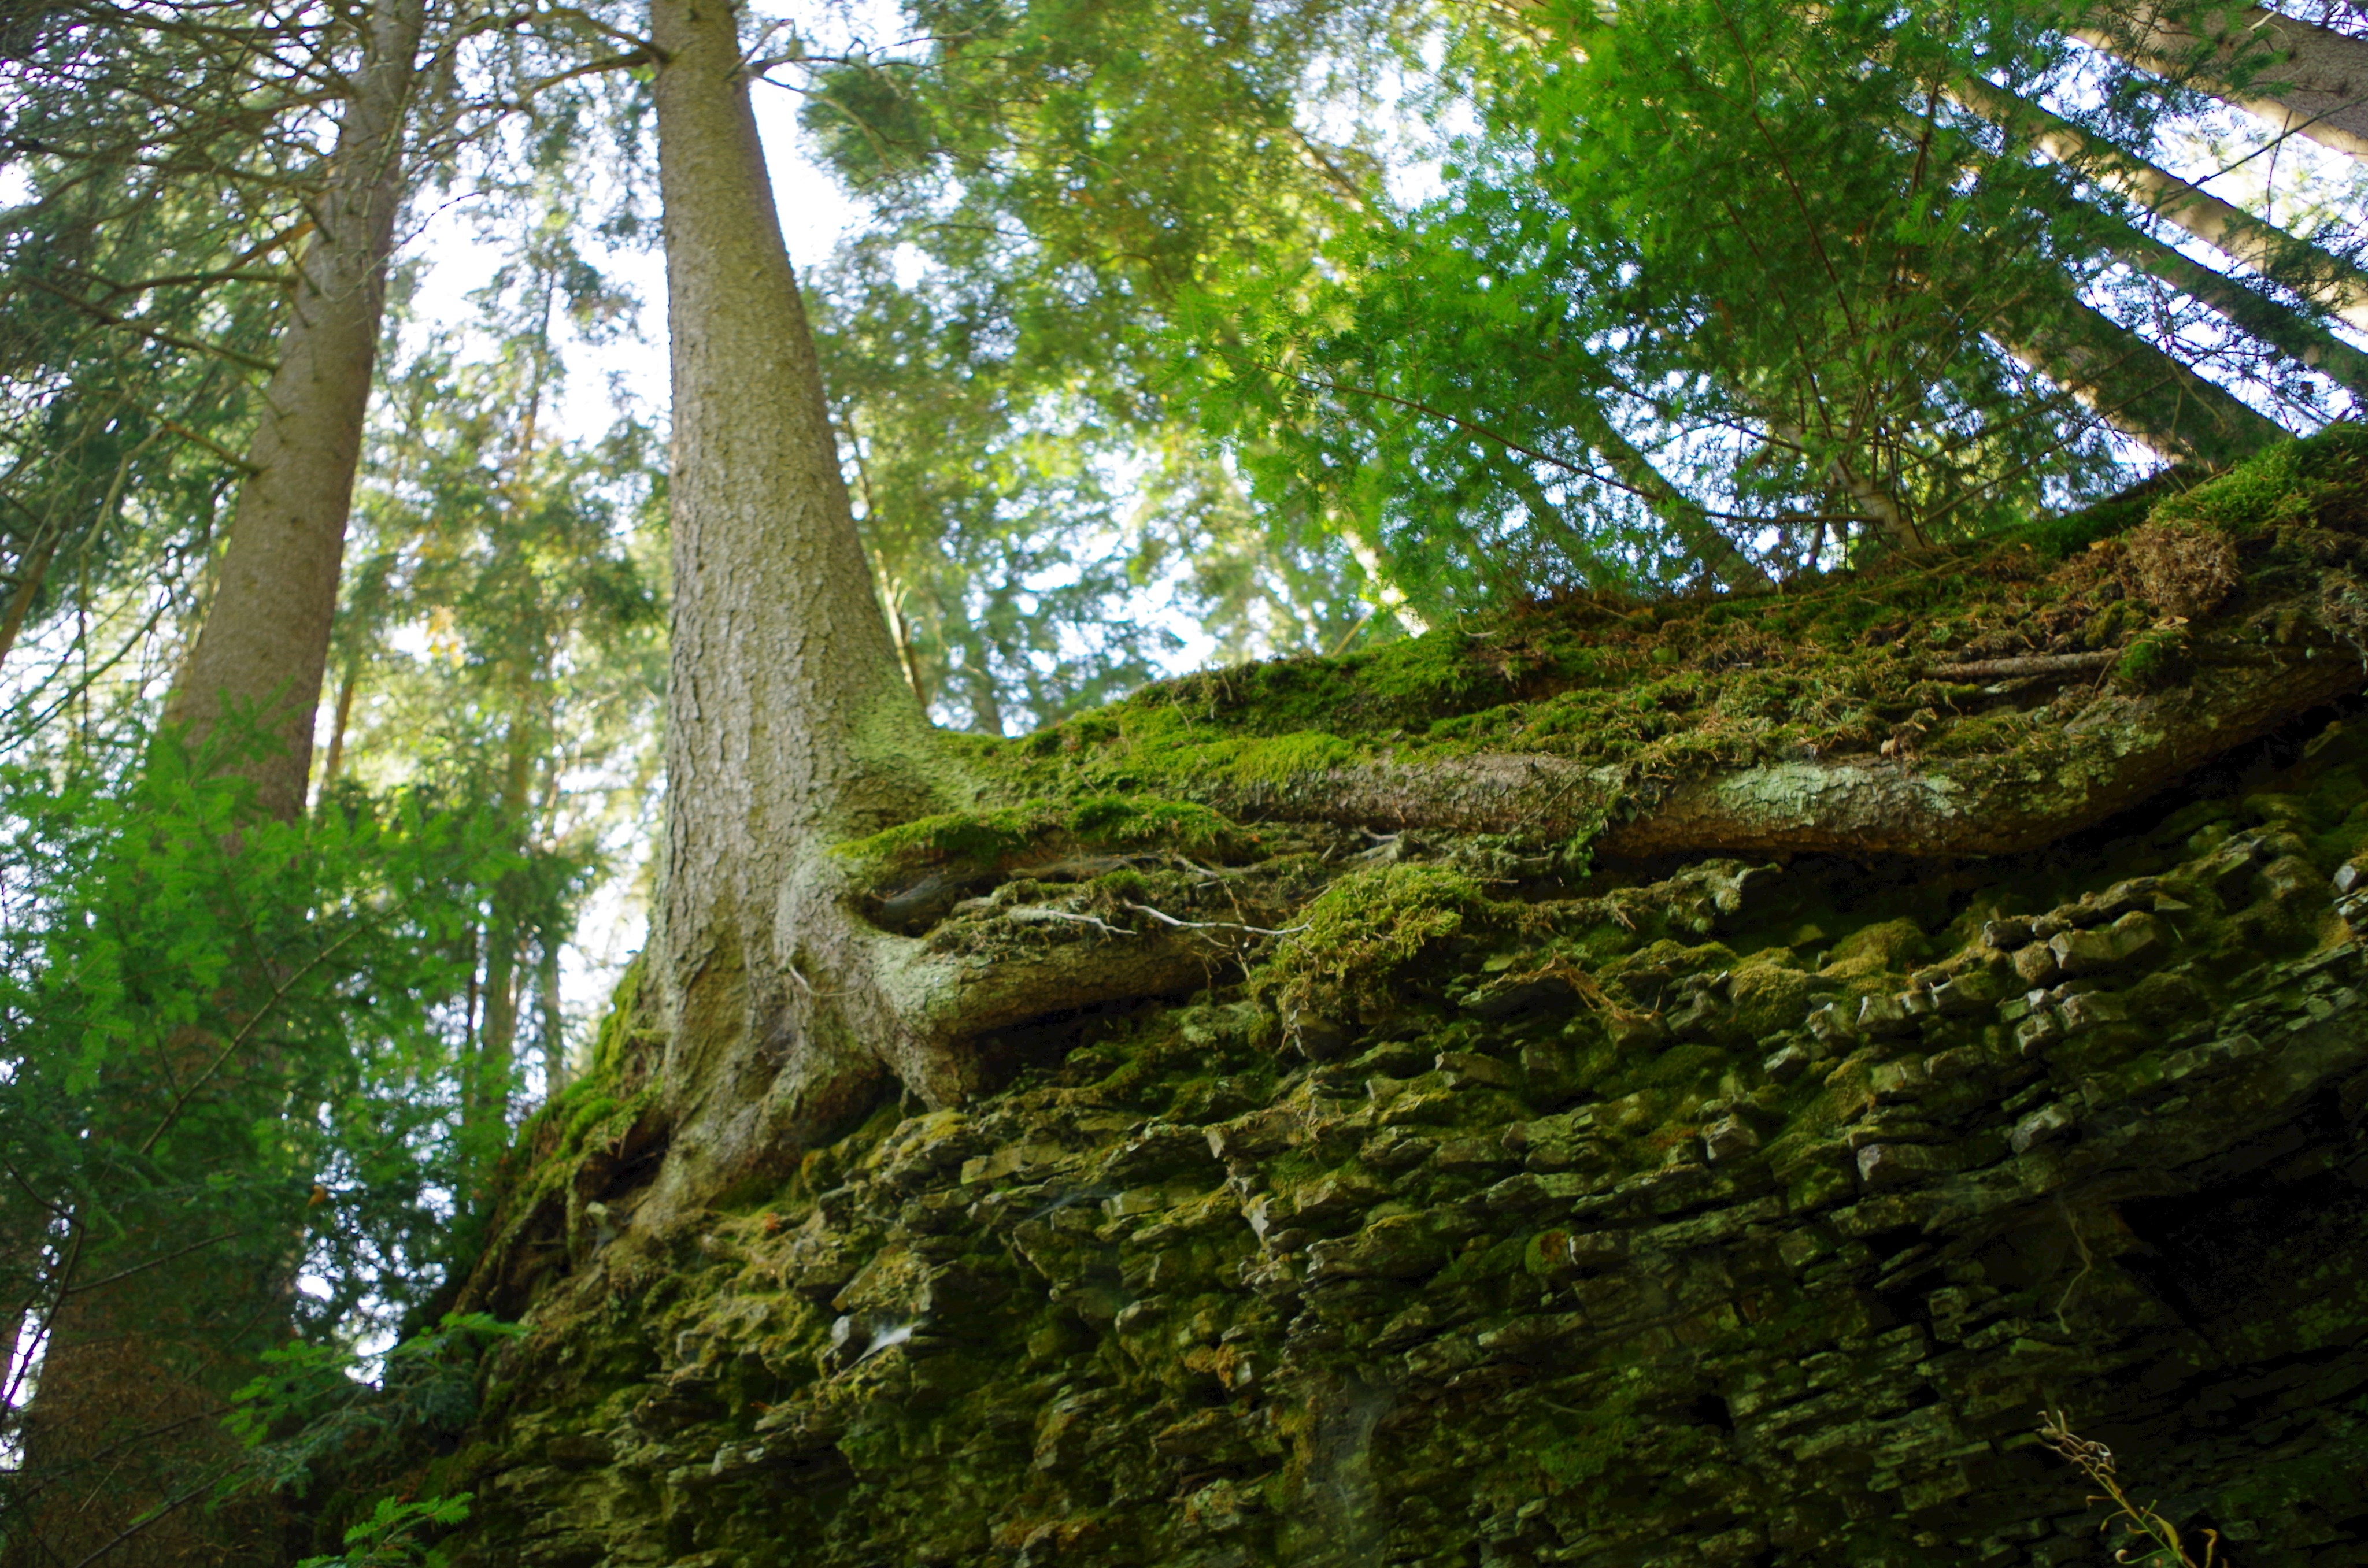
(1713, 1214)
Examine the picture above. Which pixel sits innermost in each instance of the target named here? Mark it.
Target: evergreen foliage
(230, 1077)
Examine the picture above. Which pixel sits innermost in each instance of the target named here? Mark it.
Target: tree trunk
(2313, 81)
(554, 1022)
(2327, 281)
(30, 571)
(978, 673)
(487, 1102)
(1882, 511)
(2281, 327)
(149, 1337)
(263, 649)
(338, 721)
(790, 720)
(1384, 590)
(2135, 386)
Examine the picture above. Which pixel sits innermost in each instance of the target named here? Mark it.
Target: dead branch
(1165, 919)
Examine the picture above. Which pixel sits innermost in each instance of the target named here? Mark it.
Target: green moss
(2286, 484)
(1281, 759)
(1357, 936)
(2155, 657)
(1890, 945)
(618, 1024)
(1655, 693)
(992, 835)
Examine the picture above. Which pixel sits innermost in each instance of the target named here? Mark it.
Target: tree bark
(790, 722)
(2289, 331)
(30, 571)
(339, 721)
(148, 1338)
(263, 649)
(2314, 81)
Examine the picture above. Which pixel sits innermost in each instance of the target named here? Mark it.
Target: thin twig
(279, 992)
(155, 1262)
(1166, 919)
(1030, 912)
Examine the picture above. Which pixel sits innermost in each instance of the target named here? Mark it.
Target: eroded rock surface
(1720, 1213)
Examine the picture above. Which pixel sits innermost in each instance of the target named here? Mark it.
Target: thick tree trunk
(790, 722)
(2306, 80)
(2327, 281)
(264, 648)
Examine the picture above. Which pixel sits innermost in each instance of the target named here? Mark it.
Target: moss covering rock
(1490, 1196)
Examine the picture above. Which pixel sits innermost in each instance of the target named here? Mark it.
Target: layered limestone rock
(1706, 1213)
(1404, 1180)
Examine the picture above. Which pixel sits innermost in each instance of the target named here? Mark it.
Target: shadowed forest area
(1468, 783)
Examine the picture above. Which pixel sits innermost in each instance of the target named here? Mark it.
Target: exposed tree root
(871, 1007)
(868, 1006)
(2062, 777)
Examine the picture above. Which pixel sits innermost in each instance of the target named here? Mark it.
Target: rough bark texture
(264, 647)
(2304, 79)
(788, 722)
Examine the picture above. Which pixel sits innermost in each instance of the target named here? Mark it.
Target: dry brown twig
(2163, 1546)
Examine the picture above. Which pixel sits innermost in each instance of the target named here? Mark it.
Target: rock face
(1709, 1214)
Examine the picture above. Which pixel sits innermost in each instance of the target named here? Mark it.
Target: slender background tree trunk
(264, 647)
(148, 1336)
(2323, 73)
